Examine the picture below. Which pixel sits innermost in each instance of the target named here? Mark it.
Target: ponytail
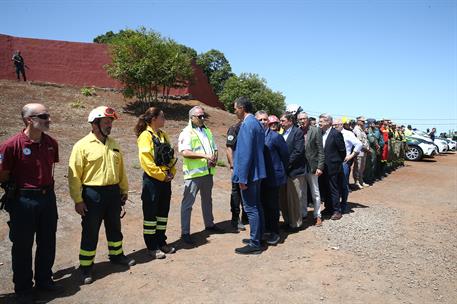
(145, 119)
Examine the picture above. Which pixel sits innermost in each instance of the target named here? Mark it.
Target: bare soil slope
(397, 246)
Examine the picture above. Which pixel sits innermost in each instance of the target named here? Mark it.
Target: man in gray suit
(314, 154)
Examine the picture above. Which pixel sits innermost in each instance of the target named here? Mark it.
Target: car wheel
(414, 153)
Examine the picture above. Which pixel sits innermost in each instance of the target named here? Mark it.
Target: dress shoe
(50, 286)
(318, 222)
(215, 229)
(336, 216)
(167, 249)
(122, 260)
(156, 254)
(273, 239)
(246, 241)
(248, 249)
(186, 238)
(346, 209)
(86, 276)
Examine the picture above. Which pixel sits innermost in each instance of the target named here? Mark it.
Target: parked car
(418, 148)
(439, 144)
(442, 145)
(451, 144)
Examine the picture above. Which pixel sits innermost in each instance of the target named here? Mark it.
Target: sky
(392, 59)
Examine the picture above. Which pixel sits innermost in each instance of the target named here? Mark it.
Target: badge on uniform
(26, 151)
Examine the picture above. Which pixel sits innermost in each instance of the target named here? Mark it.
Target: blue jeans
(253, 208)
(345, 187)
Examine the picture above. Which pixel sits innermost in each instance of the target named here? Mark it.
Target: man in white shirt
(353, 148)
(199, 151)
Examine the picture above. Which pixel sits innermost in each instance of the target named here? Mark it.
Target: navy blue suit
(276, 162)
(276, 159)
(249, 169)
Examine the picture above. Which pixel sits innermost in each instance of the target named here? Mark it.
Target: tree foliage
(109, 36)
(254, 88)
(148, 64)
(216, 67)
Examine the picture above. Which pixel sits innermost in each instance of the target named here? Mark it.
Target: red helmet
(272, 119)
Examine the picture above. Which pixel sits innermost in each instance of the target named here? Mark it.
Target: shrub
(88, 91)
(77, 104)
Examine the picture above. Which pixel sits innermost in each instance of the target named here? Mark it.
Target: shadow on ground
(173, 111)
(69, 279)
(201, 238)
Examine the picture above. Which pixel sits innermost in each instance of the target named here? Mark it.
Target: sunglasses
(43, 116)
(200, 116)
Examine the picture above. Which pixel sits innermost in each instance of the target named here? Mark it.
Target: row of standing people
(263, 162)
(314, 161)
(99, 188)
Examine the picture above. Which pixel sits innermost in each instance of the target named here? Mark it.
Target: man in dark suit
(314, 154)
(292, 197)
(335, 152)
(249, 170)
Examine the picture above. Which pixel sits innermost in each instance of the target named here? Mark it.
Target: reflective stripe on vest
(196, 167)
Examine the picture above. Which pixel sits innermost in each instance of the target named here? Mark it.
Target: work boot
(86, 275)
(156, 254)
(122, 260)
(167, 249)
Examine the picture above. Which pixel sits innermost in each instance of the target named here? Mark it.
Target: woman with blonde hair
(158, 163)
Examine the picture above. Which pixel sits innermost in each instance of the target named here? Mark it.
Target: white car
(452, 144)
(418, 148)
(442, 145)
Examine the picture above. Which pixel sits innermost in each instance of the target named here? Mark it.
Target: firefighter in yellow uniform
(158, 163)
(98, 186)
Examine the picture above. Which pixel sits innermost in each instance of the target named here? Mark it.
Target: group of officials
(275, 163)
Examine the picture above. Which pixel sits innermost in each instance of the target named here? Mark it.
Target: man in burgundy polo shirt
(27, 161)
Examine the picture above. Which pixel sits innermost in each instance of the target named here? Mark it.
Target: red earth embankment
(80, 64)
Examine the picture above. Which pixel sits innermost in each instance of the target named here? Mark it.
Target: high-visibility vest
(195, 167)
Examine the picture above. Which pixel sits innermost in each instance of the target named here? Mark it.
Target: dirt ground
(398, 245)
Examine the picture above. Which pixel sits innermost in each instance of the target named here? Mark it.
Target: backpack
(163, 152)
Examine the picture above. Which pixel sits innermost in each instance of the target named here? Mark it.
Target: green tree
(254, 88)
(176, 65)
(110, 36)
(146, 64)
(216, 67)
